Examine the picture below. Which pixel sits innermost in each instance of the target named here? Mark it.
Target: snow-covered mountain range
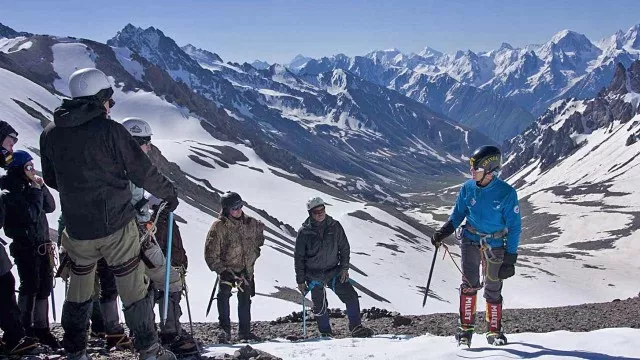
(501, 82)
(278, 138)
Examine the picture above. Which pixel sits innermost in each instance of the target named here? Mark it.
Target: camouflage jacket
(234, 244)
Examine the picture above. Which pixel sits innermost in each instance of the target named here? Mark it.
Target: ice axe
(213, 295)
(426, 291)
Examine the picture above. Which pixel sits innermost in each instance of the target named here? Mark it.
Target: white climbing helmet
(314, 202)
(137, 127)
(88, 82)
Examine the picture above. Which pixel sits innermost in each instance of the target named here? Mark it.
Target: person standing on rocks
(321, 260)
(231, 250)
(90, 160)
(154, 246)
(490, 237)
(27, 203)
(14, 341)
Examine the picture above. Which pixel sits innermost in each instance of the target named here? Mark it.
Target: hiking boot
(180, 345)
(24, 347)
(326, 334)
(119, 341)
(45, 337)
(248, 336)
(496, 338)
(361, 331)
(224, 336)
(156, 352)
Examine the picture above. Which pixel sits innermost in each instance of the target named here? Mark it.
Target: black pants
(347, 295)
(10, 317)
(36, 278)
(244, 305)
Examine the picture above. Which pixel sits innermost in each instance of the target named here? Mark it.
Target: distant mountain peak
(506, 46)
(201, 55)
(430, 52)
(8, 32)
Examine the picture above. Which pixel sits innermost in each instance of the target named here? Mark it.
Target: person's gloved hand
(344, 276)
(442, 233)
(172, 203)
(507, 269)
(302, 287)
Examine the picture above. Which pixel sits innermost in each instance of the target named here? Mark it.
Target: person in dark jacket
(90, 160)
(322, 260)
(27, 203)
(14, 342)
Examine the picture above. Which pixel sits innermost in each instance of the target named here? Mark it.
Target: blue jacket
(489, 209)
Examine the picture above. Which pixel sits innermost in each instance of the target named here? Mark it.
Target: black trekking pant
(244, 305)
(10, 317)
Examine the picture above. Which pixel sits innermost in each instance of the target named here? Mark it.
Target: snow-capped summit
(567, 42)
(429, 52)
(297, 62)
(201, 55)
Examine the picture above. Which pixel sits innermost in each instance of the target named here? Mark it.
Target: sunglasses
(14, 138)
(111, 103)
(236, 207)
(318, 211)
(29, 168)
(143, 140)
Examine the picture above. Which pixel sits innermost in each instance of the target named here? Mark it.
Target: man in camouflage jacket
(231, 250)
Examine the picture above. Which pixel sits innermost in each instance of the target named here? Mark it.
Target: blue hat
(20, 158)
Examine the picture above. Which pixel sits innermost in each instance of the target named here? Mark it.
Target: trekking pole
(213, 294)
(186, 296)
(53, 305)
(426, 291)
(304, 317)
(167, 272)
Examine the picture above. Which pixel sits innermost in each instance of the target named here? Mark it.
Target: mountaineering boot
(45, 337)
(180, 345)
(467, 319)
(464, 335)
(224, 335)
(495, 336)
(361, 331)
(156, 352)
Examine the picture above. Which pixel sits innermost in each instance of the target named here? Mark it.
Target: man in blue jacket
(490, 236)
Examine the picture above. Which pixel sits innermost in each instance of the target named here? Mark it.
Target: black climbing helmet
(486, 157)
(230, 199)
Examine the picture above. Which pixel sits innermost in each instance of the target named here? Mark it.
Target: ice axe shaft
(213, 295)
(426, 291)
(167, 272)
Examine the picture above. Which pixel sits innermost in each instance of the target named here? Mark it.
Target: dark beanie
(6, 129)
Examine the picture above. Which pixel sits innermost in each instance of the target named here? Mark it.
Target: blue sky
(277, 30)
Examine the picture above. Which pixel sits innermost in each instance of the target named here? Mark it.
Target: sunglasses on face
(236, 207)
(143, 140)
(14, 138)
(318, 211)
(111, 103)
(29, 168)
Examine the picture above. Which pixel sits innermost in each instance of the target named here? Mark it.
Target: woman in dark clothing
(27, 202)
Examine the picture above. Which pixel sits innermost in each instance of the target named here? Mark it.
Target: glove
(507, 269)
(442, 233)
(228, 275)
(302, 287)
(344, 276)
(172, 203)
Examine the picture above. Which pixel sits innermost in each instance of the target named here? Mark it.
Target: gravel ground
(586, 317)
